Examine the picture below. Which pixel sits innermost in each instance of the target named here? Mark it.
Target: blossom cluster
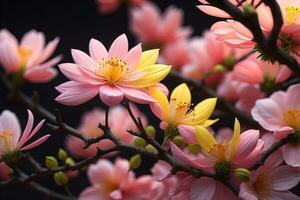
(198, 158)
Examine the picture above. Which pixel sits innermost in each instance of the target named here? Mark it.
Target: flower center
(218, 151)
(292, 12)
(178, 110)
(92, 132)
(263, 186)
(292, 118)
(24, 54)
(288, 43)
(6, 141)
(112, 69)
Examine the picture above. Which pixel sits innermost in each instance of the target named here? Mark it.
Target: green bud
(219, 68)
(60, 179)
(178, 140)
(249, 10)
(135, 161)
(150, 130)
(139, 142)
(194, 148)
(242, 174)
(151, 149)
(51, 162)
(229, 61)
(69, 161)
(62, 154)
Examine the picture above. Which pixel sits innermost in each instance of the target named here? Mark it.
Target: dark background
(75, 22)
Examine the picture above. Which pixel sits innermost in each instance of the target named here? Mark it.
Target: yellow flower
(177, 113)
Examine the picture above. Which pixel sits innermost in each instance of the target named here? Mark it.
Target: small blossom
(11, 139)
(109, 6)
(29, 56)
(114, 75)
(177, 113)
(114, 182)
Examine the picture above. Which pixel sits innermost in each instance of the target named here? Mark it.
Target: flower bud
(219, 68)
(51, 162)
(69, 161)
(62, 154)
(150, 130)
(139, 142)
(242, 174)
(135, 161)
(229, 61)
(249, 10)
(60, 179)
(178, 140)
(151, 149)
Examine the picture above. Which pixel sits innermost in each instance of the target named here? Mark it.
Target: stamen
(292, 118)
(292, 12)
(24, 54)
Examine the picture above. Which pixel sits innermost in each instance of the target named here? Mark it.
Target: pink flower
(28, 56)
(242, 151)
(4, 171)
(115, 182)
(114, 75)
(280, 114)
(108, 6)
(205, 53)
(271, 181)
(11, 139)
(155, 29)
(176, 54)
(254, 71)
(119, 123)
(161, 172)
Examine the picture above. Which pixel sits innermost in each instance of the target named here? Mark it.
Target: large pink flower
(119, 123)
(113, 75)
(153, 29)
(115, 182)
(280, 114)
(11, 139)
(29, 56)
(271, 181)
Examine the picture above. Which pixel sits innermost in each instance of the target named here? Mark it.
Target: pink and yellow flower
(114, 182)
(280, 114)
(242, 151)
(11, 139)
(156, 30)
(271, 181)
(177, 114)
(114, 75)
(119, 123)
(29, 56)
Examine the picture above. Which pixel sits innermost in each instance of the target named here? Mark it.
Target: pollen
(24, 54)
(6, 140)
(292, 118)
(218, 151)
(112, 69)
(292, 12)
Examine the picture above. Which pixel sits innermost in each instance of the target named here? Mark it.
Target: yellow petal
(161, 99)
(235, 138)
(181, 94)
(154, 74)
(209, 122)
(148, 58)
(204, 110)
(205, 139)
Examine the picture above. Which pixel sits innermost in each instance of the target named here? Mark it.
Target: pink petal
(293, 96)
(203, 189)
(28, 137)
(274, 160)
(213, 11)
(28, 128)
(9, 57)
(40, 74)
(10, 122)
(119, 47)
(247, 142)
(133, 56)
(6, 35)
(283, 74)
(116, 195)
(290, 154)
(188, 133)
(136, 95)
(286, 195)
(74, 93)
(48, 51)
(84, 61)
(101, 172)
(285, 178)
(156, 109)
(92, 193)
(110, 95)
(35, 143)
(97, 50)
(283, 132)
(249, 72)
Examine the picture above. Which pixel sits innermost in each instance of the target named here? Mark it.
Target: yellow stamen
(24, 54)
(6, 141)
(112, 69)
(219, 151)
(292, 118)
(292, 12)
(92, 132)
